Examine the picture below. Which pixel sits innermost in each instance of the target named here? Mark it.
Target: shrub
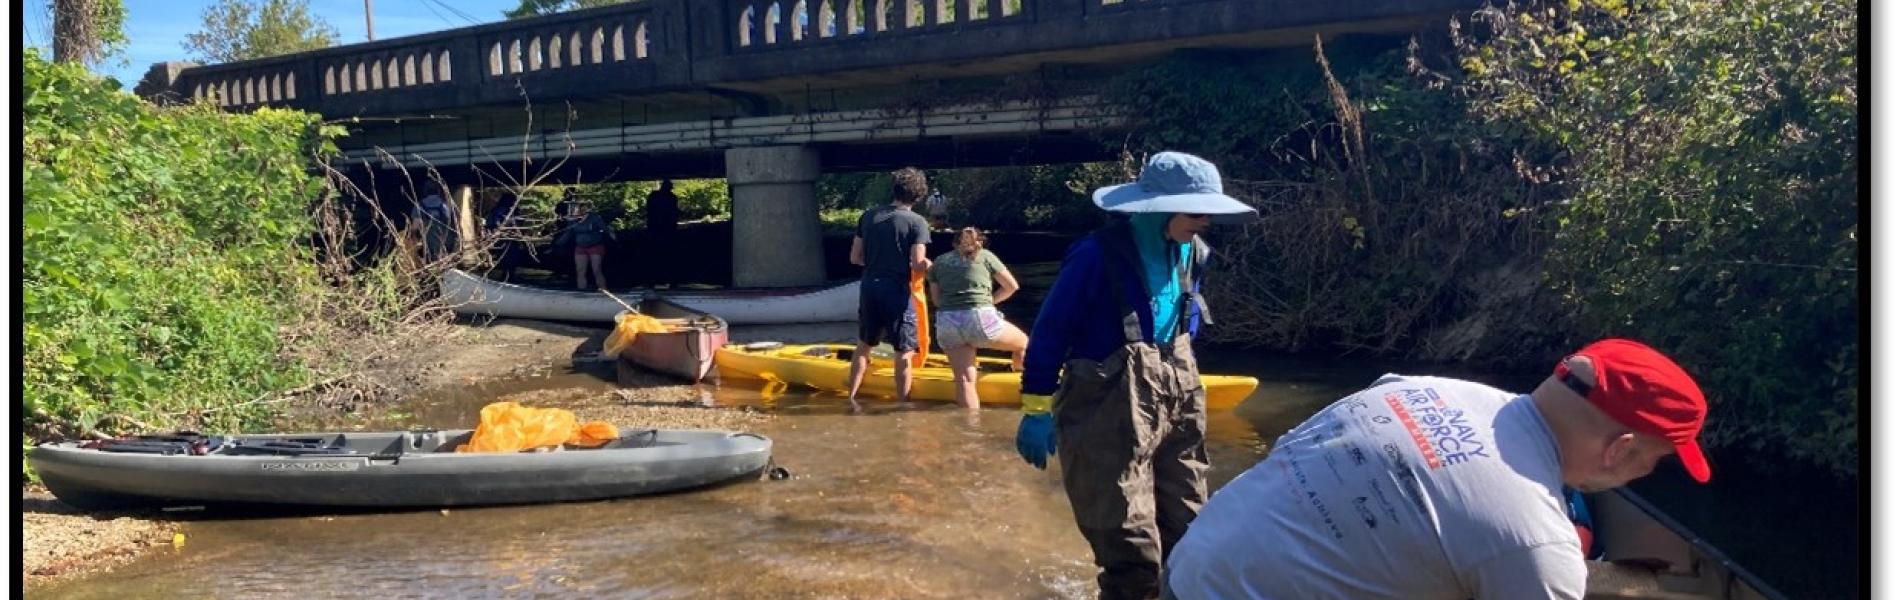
(163, 251)
(1711, 178)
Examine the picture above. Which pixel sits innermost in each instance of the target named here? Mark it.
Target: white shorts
(968, 327)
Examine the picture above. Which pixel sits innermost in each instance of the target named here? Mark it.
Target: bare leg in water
(860, 362)
(963, 372)
(903, 378)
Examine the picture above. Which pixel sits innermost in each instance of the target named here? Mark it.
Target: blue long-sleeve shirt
(1080, 317)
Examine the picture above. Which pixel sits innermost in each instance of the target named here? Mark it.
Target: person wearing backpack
(589, 234)
(1110, 384)
(434, 220)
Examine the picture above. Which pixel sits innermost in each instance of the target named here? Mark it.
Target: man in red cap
(1426, 487)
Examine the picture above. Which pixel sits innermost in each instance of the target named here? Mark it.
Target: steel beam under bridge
(995, 134)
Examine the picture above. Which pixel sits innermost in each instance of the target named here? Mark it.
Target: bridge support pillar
(776, 237)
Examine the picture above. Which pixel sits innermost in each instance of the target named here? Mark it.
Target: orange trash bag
(511, 427)
(627, 326)
(917, 295)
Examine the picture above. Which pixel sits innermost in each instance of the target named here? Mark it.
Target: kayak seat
(395, 448)
(291, 447)
(184, 442)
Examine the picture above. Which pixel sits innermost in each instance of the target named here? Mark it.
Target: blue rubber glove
(1036, 436)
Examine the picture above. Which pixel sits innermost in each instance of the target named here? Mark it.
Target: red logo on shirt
(1411, 426)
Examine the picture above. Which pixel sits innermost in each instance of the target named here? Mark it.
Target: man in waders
(1427, 487)
(1130, 410)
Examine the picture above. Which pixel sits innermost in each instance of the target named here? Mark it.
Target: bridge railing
(648, 45)
(254, 84)
(768, 25)
(617, 44)
(390, 70)
(571, 48)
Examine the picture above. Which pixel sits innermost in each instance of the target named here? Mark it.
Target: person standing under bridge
(1129, 405)
(434, 220)
(663, 221)
(589, 233)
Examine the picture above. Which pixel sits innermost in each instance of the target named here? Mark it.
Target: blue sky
(156, 29)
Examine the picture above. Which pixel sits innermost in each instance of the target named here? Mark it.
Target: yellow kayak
(828, 367)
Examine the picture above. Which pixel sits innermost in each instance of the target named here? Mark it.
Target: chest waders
(1129, 434)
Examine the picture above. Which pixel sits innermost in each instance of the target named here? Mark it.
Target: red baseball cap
(1647, 392)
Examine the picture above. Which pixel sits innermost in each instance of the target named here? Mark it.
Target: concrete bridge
(766, 93)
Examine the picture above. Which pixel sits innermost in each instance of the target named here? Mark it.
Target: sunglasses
(1575, 383)
(1194, 215)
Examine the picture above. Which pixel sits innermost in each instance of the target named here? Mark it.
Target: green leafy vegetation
(536, 8)
(164, 257)
(1709, 163)
(237, 30)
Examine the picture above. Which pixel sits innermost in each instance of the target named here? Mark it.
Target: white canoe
(470, 294)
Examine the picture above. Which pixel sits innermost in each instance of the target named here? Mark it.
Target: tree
(85, 31)
(536, 8)
(1713, 197)
(237, 30)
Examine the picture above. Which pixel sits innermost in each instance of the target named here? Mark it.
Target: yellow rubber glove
(1037, 403)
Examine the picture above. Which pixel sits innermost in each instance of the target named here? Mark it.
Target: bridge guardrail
(659, 45)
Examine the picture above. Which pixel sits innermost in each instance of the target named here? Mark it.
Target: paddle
(631, 309)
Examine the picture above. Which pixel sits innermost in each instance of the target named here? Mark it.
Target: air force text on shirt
(1443, 435)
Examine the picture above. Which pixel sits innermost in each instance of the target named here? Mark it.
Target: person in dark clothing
(1129, 404)
(663, 220)
(434, 221)
(502, 226)
(663, 210)
(890, 245)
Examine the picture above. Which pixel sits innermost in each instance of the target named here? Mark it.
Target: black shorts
(885, 311)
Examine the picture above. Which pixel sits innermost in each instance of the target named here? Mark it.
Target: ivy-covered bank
(166, 263)
(1677, 171)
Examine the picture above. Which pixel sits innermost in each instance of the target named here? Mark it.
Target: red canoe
(685, 346)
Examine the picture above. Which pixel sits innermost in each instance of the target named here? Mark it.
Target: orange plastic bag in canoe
(511, 427)
(917, 295)
(627, 326)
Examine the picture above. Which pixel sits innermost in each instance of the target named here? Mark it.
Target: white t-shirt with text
(1417, 488)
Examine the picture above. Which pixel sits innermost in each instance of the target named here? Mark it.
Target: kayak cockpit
(371, 444)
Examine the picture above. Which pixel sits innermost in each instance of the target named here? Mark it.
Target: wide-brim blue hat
(1175, 182)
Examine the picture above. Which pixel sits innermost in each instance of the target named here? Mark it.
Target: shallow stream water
(929, 502)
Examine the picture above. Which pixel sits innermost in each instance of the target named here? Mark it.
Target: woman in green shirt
(962, 282)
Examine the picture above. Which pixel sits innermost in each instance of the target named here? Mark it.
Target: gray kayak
(384, 469)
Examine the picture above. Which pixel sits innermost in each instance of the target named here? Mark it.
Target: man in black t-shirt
(663, 221)
(890, 245)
